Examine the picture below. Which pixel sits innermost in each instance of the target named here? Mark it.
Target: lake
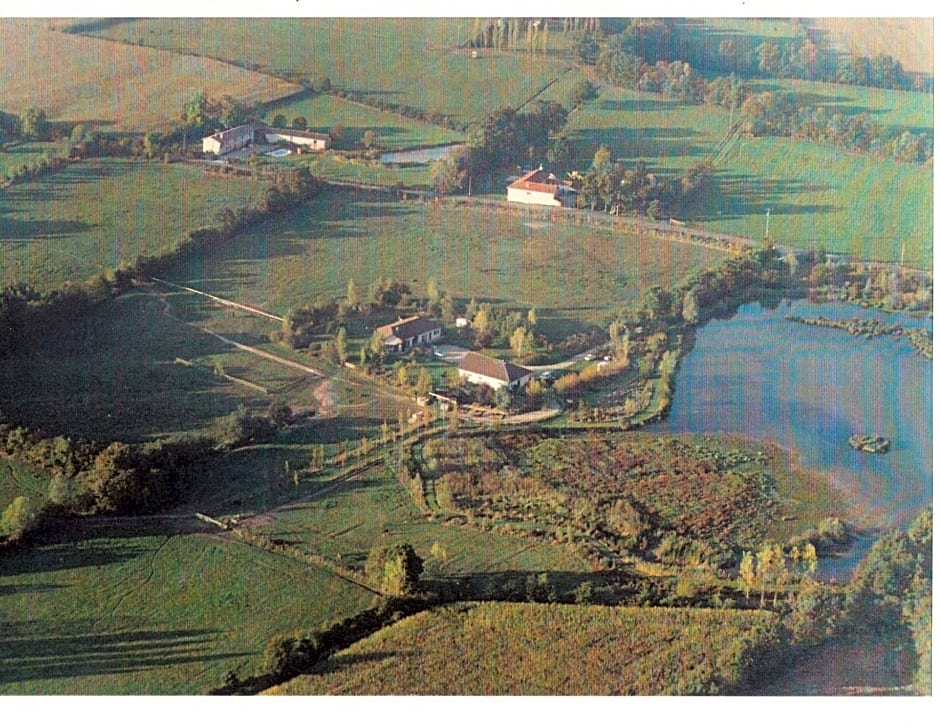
(808, 389)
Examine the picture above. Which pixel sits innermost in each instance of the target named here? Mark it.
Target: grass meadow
(153, 614)
(15, 155)
(411, 61)
(573, 274)
(817, 195)
(92, 216)
(537, 649)
(114, 86)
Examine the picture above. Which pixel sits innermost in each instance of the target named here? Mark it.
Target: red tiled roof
(538, 180)
(494, 368)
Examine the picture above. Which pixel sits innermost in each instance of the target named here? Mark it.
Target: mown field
(114, 86)
(94, 215)
(411, 61)
(153, 614)
(569, 272)
(537, 649)
(817, 195)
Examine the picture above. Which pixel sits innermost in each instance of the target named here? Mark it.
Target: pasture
(113, 86)
(343, 522)
(112, 375)
(573, 274)
(91, 216)
(392, 131)
(817, 195)
(422, 64)
(16, 155)
(153, 613)
(537, 649)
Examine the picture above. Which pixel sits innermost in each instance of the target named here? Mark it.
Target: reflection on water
(808, 389)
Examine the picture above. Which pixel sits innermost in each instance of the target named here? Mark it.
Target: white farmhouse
(476, 368)
(539, 187)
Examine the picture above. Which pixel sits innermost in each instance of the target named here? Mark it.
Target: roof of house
(538, 180)
(251, 126)
(254, 125)
(493, 368)
(298, 133)
(408, 328)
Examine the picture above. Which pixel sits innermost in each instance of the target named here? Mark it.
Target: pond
(422, 155)
(808, 389)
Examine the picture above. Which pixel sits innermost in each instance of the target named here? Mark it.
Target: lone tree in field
(395, 570)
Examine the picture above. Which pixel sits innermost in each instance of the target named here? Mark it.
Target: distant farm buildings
(256, 132)
(475, 368)
(540, 187)
(407, 333)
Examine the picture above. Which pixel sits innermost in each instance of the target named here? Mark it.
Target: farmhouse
(476, 368)
(407, 333)
(255, 132)
(540, 187)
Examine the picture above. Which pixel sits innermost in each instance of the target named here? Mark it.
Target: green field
(392, 131)
(817, 195)
(16, 480)
(421, 64)
(13, 156)
(536, 649)
(92, 216)
(153, 614)
(113, 376)
(346, 521)
(572, 274)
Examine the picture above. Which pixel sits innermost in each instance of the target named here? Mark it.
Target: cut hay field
(910, 40)
(817, 195)
(536, 649)
(153, 614)
(94, 215)
(115, 86)
(411, 61)
(572, 274)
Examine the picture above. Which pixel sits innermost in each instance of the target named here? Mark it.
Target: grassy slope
(94, 215)
(567, 271)
(117, 86)
(152, 615)
(349, 520)
(818, 195)
(113, 376)
(410, 61)
(532, 649)
(392, 131)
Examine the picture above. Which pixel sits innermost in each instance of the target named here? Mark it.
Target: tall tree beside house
(300, 123)
(352, 295)
(34, 124)
(445, 176)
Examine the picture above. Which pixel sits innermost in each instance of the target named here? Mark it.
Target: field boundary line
(221, 301)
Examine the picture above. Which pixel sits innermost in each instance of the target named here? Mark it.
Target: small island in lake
(870, 443)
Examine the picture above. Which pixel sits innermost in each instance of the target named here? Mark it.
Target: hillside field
(537, 649)
(114, 86)
(817, 195)
(153, 614)
(423, 65)
(92, 216)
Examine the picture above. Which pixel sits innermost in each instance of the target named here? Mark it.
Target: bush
(287, 656)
